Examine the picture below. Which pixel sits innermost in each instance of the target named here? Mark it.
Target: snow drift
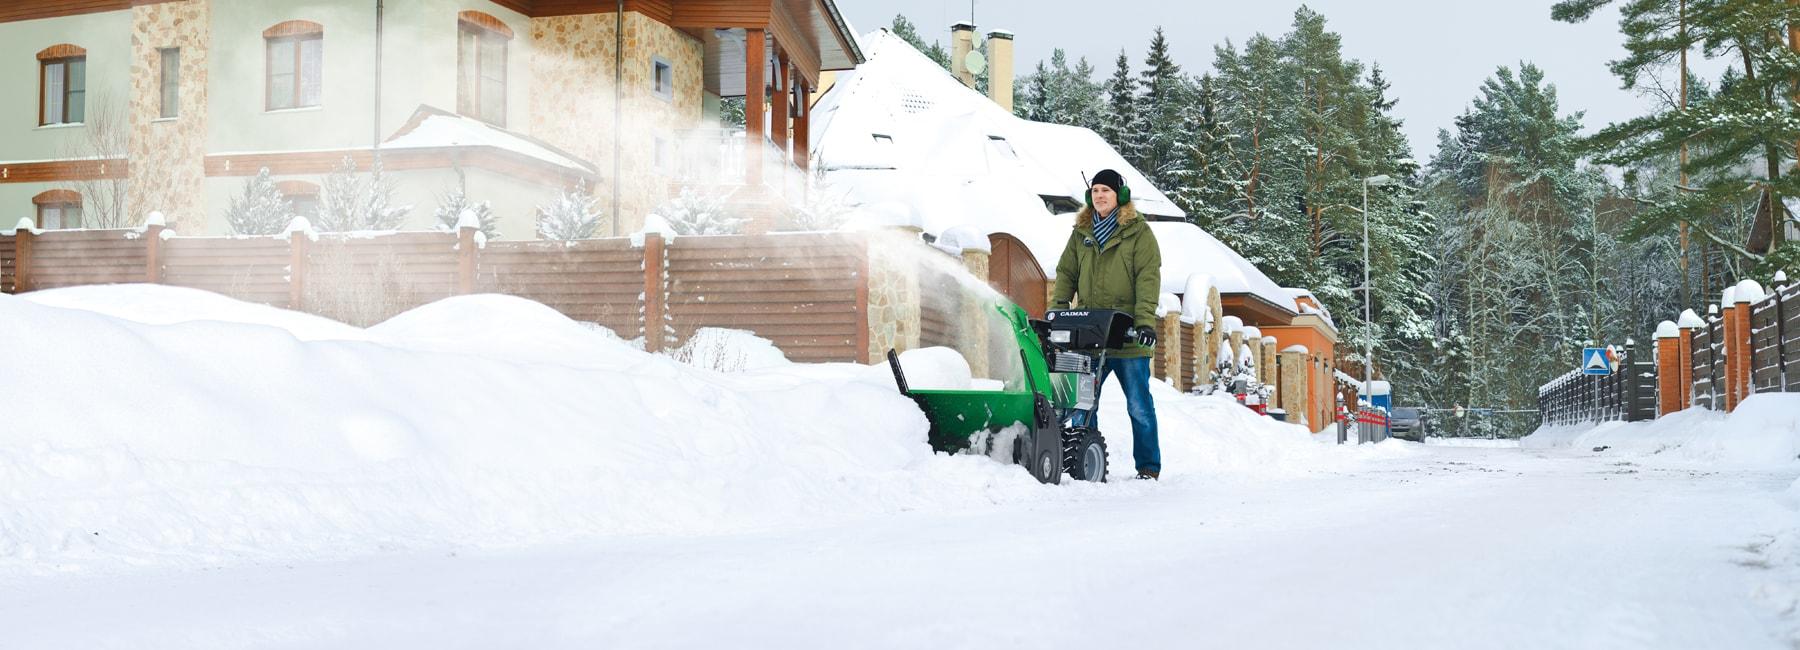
(149, 425)
(1764, 431)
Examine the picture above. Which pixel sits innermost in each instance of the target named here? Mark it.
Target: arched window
(481, 66)
(58, 209)
(295, 63)
(62, 84)
(302, 196)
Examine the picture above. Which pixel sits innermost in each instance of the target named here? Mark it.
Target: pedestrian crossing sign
(1595, 361)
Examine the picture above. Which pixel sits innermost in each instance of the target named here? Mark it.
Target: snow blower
(1034, 424)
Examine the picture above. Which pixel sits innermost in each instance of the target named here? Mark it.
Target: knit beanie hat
(1110, 179)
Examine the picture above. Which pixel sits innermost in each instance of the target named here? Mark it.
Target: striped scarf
(1103, 228)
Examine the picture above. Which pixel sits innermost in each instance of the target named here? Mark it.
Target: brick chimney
(962, 41)
(1000, 68)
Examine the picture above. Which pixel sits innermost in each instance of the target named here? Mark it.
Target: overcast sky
(1436, 52)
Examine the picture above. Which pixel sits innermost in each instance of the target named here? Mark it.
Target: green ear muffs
(1124, 195)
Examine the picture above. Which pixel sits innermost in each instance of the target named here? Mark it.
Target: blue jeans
(1134, 378)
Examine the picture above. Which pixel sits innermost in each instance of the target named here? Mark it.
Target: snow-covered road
(1436, 547)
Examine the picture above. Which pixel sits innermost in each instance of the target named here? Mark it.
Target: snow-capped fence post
(297, 263)
(1780, 288)
(465, 259)
(22, 261)
(1668, 368)
(153, 259)
(654, 251)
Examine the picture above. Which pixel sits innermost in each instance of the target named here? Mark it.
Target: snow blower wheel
(1084, 454)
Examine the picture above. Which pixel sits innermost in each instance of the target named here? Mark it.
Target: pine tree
(1166, 95)
(452, 205)
(1121, 124)
(1746, 128)
(575, 215)
(262, 210)
(350, 202)
(695, 212)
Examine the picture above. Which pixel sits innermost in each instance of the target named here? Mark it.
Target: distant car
(1408, 423)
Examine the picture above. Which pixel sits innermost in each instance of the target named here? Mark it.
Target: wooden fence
(805, 292)
(1628, 394)
(1751, 345)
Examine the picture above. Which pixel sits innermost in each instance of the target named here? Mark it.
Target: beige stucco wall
(106, 37)
(420, 39)
(237, 85)
(168, 155)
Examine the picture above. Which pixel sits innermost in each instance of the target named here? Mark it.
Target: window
(481, 67)
(295, 63)
(58, 210)
(662, 78)
(171, 82)
(62, 85)
(882, 139)
(302, 197)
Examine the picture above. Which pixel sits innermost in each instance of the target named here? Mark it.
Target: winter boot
(1147, 475)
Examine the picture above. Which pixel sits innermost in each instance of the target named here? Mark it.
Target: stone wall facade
(572, 72)
(977, 313)
(168, 155)
(894, 308)
(1293, 389)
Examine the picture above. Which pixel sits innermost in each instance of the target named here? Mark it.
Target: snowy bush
(262, 210)
(350, 202)
(728, 350)
(699, 213)
(575, 215)
(823, 209)
(451, 206)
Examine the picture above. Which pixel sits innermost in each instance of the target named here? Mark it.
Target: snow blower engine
(1034, 424)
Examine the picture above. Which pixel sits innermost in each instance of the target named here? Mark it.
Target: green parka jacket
(1126, 274)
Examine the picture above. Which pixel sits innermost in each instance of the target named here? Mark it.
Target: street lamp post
(1369, 304)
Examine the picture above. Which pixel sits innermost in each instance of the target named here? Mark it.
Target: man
(1112, 262)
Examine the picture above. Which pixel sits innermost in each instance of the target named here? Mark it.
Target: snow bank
(155, 426)
(1764, 431)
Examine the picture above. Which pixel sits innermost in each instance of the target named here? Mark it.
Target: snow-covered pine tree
(262, 210)
(351, 202)
(695, 212)
(574, 215)
(1755, 97)
(453, 203)
(1166, 97)
(1122, 125)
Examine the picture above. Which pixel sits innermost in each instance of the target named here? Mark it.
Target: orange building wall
(1321, 396)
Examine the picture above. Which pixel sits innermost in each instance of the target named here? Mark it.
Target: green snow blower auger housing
(1062, 356)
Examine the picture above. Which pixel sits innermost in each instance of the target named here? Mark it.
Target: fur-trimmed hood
(1128, 213)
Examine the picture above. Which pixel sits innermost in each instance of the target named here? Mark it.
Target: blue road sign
(1595, 362)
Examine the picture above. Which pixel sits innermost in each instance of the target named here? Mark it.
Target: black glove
(1146, 336)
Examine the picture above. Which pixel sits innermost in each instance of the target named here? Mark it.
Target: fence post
(297, 243)
(1780, 337)
(153, 253)
(465, 260)
(22, 257)
(653, 292)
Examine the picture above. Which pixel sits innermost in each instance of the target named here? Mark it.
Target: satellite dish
(975, 62)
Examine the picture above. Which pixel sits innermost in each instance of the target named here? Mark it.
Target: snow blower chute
(1061, 356)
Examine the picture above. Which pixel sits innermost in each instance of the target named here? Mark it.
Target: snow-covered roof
(431, 127)
(901, 111)
(899, 129)
(1188, 249)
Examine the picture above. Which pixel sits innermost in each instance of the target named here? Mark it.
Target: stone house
(123, 107)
